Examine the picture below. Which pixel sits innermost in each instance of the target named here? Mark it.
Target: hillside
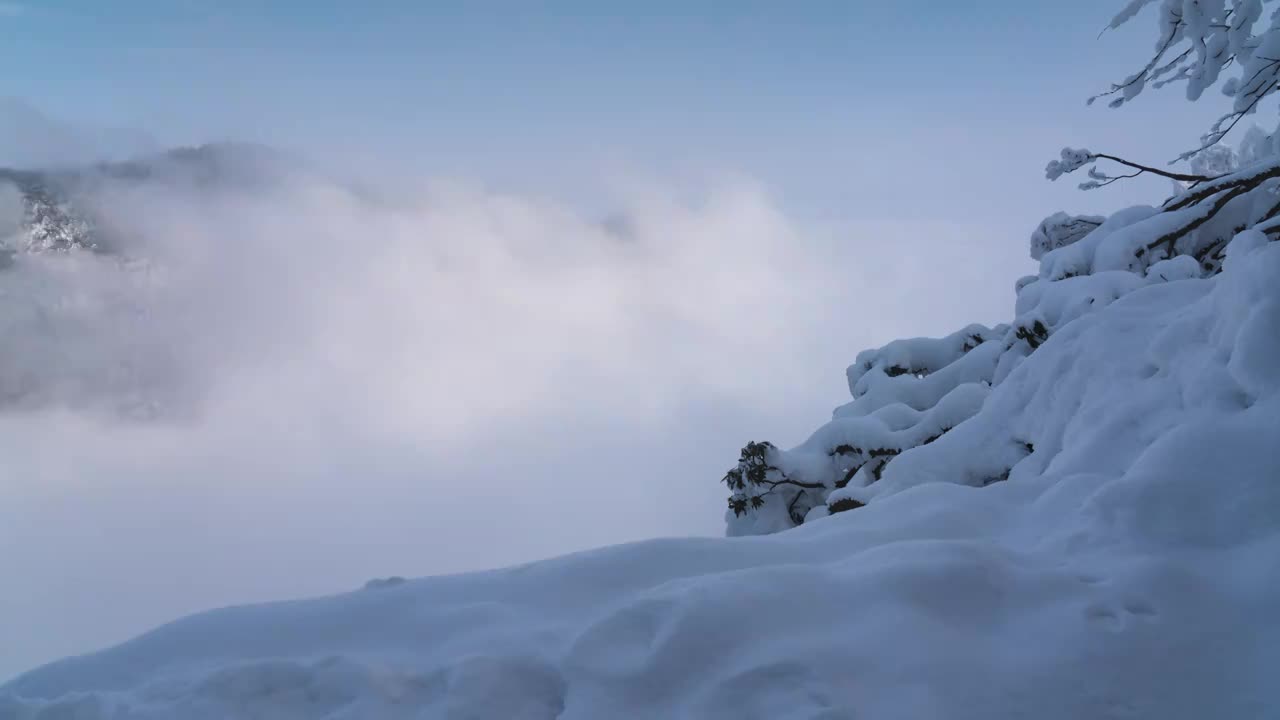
(1123, 567)
(1074, 514)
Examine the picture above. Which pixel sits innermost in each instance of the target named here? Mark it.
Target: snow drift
(1125, 568)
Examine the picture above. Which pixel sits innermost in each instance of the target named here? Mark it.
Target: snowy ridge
(1125, 569)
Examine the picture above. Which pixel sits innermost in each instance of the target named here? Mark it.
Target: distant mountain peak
(51, 217)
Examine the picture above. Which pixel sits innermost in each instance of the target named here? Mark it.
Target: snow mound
(1123, 565)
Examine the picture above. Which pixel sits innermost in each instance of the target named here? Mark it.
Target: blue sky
(785, 92)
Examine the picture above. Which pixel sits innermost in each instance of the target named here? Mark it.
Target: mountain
(52, 217)
(47, 221)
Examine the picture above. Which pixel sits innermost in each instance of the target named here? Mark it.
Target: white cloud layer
(292, 385)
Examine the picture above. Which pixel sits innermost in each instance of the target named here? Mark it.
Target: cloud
(397, 380)
(286, 384)
(439, 313)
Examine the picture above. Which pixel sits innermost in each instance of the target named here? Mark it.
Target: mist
(299, 376)
(291, 383)
(448, 336)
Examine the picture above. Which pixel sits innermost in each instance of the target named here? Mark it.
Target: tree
(910, 393)
(1199, 42)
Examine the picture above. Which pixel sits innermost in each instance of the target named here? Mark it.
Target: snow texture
(1059, 230)
(1072, 159)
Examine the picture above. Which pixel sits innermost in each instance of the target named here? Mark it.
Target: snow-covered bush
(1060, 230)
(911, 393)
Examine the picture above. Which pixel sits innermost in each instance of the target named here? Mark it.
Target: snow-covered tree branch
(912, 395)
(1198, 41)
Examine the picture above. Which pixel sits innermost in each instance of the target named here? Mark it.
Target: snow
(1123, 567)
(1059, 230)
(1071, 159)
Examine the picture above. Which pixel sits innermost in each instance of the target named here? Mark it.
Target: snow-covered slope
(1127, 567)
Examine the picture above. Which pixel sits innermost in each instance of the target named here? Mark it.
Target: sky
(459, 377)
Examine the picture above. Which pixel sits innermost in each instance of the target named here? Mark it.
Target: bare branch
(1183, 177)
